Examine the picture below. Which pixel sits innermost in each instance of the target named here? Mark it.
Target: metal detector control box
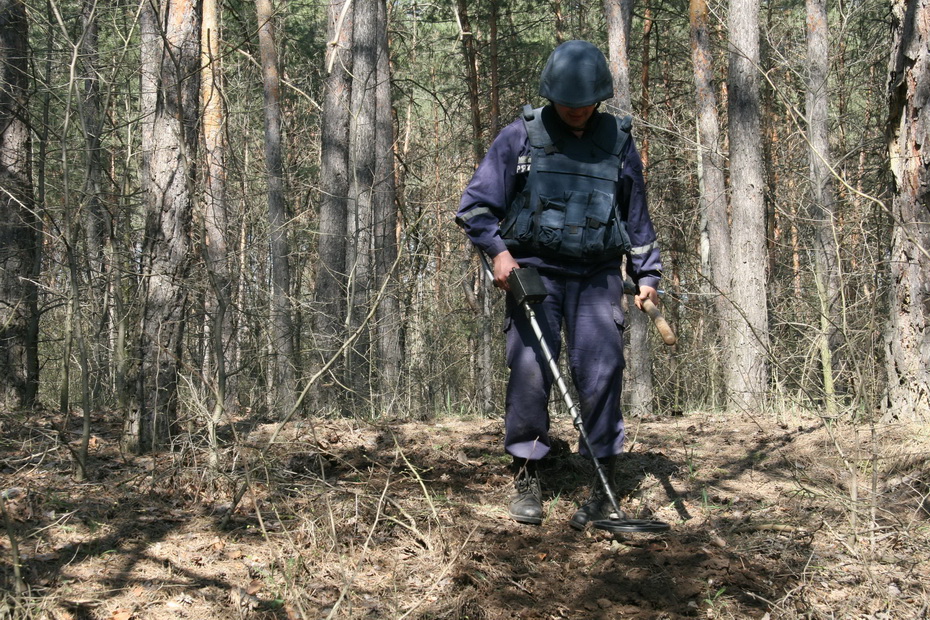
(526, 286)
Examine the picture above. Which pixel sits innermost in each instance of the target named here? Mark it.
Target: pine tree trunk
(331, 281)
(494, 111)
(826, 274)
(96, 219)
(907, 335)
(639, 377)
(485, 342)
(619, 15)
(362, 164)
(639, 384)
(715, 227)
(18, 314)
(390, 355)
(747, 368)
(170, 63)
(471, 72)
(282, 335)
(218, 328)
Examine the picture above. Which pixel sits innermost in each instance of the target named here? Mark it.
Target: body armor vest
(569, 206)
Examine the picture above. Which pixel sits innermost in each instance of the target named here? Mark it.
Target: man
(561, 189)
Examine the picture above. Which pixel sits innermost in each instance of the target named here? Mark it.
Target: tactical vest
(569, 207)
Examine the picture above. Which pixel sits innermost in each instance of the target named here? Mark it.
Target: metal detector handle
(665, 330)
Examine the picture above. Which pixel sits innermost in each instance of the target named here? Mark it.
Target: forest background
(218, 216)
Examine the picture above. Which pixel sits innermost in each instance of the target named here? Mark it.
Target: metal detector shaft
(572, 407)
(566, 396)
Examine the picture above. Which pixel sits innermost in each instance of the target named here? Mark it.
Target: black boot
(598, 505)
(526, 502)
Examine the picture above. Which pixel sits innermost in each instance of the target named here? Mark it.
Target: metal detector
(528, 289)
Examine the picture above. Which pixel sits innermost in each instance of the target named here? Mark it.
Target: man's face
(576, 118)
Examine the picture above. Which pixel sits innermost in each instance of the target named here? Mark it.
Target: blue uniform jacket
(503, 173)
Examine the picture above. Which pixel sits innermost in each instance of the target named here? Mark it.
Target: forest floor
(772, 516)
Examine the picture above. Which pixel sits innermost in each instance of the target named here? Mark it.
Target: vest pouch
(599, 225)
(620, 238)
(518, 225)
(573, 225)
(550, 222)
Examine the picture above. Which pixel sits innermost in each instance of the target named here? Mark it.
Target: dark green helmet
(576, 75)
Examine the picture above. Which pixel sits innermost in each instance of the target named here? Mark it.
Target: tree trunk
(907, 335)
(645, 105)
(330, 292)
(96, 224)
(96, 218)
(170, 63)
(471, 74)
(18, 239)
(747, 369)
(640, 381)
(484, 344)
(281, 327)
(494, 112)
(390, 355)
(826, 274)
(619, 16)
(715, 227)
(559, 21)
(362, 164)
(218, 327)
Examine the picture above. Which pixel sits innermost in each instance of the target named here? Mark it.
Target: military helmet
(576, 75)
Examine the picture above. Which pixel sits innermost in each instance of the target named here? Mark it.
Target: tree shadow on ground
(554, 571)
(101, 534)
(412, 517)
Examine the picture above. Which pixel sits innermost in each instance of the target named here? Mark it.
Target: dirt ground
(772, 516)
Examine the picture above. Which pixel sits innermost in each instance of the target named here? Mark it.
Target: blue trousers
(590, 310)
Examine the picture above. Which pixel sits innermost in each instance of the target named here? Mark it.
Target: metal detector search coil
(631, 526)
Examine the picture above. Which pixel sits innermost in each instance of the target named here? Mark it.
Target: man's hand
(504, 263)
(646, 292)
